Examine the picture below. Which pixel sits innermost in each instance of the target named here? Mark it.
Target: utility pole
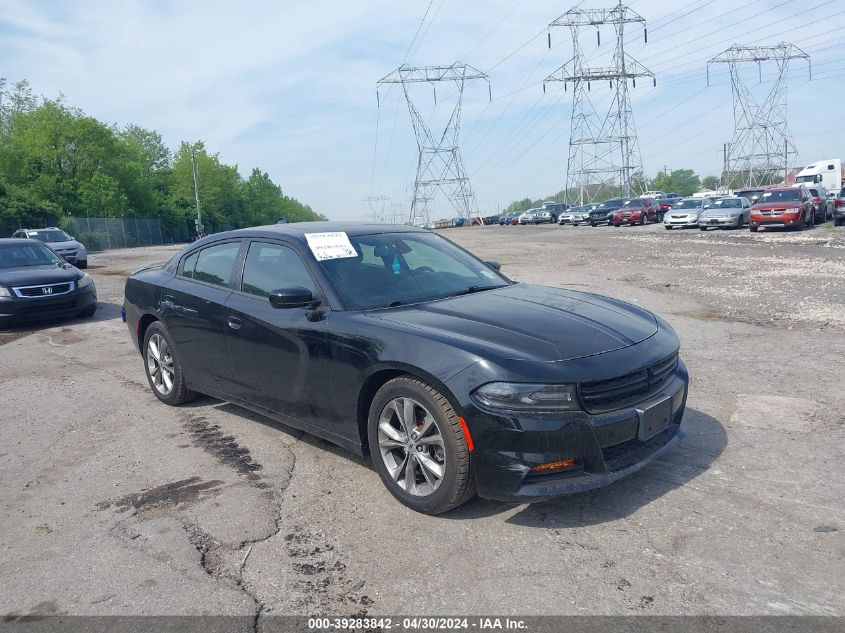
(725, 176)
(195, 171)
(761, 141)
(439, 163)
(603, 146)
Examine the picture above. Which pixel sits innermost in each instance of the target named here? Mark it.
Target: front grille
(43, 308)
(604, 395)
(45, 291)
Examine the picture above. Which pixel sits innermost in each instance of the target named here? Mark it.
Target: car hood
(37, 275)
(719, 212)
(678, 212)
(770, 206)
(528, 322)
(63, 246)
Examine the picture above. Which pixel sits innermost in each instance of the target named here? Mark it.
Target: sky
(290, 87)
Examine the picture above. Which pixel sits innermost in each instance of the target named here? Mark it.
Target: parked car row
(788, 207)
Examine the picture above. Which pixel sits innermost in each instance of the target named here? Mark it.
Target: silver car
(62, 243)
(727, 212)
(577, 215)
(685, 213)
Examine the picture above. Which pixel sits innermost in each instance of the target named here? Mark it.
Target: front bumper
(707, 222)
(20, 309)
(784, 220)
(681, 222)
(606, 447)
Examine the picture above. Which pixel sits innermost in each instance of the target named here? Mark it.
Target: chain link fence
(102, 234)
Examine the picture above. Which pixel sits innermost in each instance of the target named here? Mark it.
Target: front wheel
(702, 228)
(418, 446)
(82, 264)
(739, 222)
(644, 219)
(164, 373)
(753, 229)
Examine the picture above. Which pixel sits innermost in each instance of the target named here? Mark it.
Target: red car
(636, 211)
(785, 207)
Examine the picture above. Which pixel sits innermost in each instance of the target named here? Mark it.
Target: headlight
(4, 292)
(84, 281)
(527, 397)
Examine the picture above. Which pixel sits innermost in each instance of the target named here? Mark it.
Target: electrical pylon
(604, 154)
(761, 146)
(439, 164)
(377, 208)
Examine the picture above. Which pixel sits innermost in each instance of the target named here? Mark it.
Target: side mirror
(494, 265)
(706, 206)
(293, 297)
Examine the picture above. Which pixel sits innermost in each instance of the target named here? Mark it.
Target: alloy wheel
(411, 446)
(160, 364)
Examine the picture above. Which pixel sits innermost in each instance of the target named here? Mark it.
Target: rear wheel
(418, 446)
(162, 367)
(82, 263)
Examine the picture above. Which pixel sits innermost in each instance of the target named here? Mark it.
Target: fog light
(550, 466)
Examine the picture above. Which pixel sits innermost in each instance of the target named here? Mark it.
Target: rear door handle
(234, 322)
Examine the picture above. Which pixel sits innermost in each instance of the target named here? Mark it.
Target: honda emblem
(47, 290)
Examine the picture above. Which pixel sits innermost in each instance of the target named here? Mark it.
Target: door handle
(234, 322)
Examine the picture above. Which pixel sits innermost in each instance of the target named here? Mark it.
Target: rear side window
(214, 264)
(269, 267)
(188, 266)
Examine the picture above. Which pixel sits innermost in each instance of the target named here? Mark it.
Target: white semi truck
(827, 173)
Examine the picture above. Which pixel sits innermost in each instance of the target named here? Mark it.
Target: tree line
(57, 163)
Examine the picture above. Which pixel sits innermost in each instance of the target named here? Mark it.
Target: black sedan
(35, 283)
(393, 341)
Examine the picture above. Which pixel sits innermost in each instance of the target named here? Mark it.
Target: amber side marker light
(549, 466)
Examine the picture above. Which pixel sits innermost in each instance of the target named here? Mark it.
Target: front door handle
(234, 322)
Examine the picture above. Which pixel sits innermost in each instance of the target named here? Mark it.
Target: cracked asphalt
(114, 503)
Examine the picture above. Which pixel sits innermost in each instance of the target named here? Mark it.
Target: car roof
(297, 230)
(8, 241)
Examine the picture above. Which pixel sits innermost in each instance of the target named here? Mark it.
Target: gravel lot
(114, 503)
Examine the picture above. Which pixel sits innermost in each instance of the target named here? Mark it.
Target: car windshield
(729, 203)
(780, 195)
(610, 204)
(21, 255)
(689, 204)
(401, 268)
(636, 202)
(50, 236)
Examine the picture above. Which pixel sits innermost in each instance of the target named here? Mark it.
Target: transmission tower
(377, 208)
(603, 148)
(761, 146)
(439, 164)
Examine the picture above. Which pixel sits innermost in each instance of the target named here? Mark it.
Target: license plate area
(654, 418)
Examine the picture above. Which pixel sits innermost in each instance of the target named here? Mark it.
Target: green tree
(710, 182)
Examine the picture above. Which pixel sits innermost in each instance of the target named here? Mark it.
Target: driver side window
(269, 267)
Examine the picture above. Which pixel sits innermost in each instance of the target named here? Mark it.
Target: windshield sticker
(330, 245)
(396, 266)
(488, 274)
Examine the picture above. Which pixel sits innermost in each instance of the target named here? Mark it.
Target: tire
(702, 228)
(616, 225)
(739, 222)
(593, 224)
(800, 225)
(667, 227)
(837, 222)
(82, 264)
(753, 229)
(89, 312)
(644, 219)
(554, 219)
(429, 495)
(178, 392)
